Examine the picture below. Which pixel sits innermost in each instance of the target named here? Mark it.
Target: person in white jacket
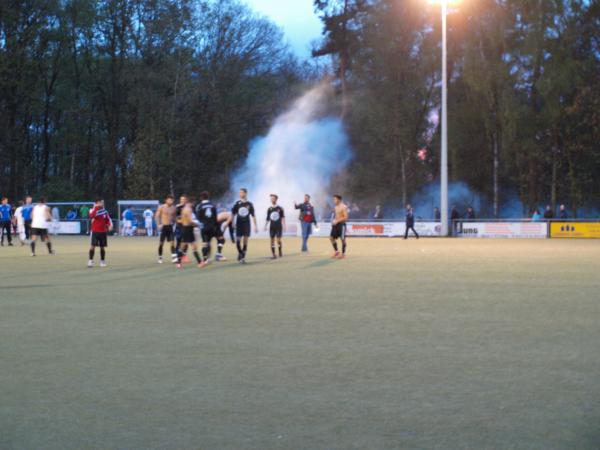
(20, 224)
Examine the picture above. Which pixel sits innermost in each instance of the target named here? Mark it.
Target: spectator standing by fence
(536, 216)
(471, 213)
(71, 214)
(548, 214)
(55, 220)
(378, 214)
(562, 213)
(454, 216)
(84, 213)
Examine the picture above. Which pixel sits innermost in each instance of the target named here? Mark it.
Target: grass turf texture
(419, 344)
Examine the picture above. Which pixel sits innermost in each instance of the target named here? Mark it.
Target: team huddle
(185, 224)
(178, 224)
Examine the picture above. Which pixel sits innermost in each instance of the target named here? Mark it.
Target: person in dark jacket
(410, 222)
(454, 216)
(470, 213)
(562, 213)
(307, 220)
(548, 214)
(437, 215)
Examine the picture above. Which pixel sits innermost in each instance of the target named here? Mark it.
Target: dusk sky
(295, 17)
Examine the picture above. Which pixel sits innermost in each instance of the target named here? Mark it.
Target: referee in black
(410, 222)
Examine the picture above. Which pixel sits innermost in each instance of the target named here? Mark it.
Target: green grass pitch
(434, 343)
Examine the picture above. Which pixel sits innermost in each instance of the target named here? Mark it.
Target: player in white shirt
(20, 224)
(148, 218)
(40, 222)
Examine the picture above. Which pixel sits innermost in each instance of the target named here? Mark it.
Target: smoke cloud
(301, 153)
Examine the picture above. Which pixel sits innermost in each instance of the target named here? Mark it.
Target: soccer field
(434, 343)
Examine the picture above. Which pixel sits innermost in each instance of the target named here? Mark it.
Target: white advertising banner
(380, 229)
(523, 230)
(66, 227)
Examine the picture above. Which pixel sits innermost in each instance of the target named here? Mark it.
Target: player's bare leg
(336, 253)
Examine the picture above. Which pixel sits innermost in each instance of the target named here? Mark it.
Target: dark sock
(205, 252)
(197, 256)
(239, 247)
(335, 247)
(160, 248)
(344, 247)
(32, 246)
(49, 245)
(280, 250)
(245, 248)
(273, 249)
(102, 254)
(220, 248)
(172, 249)
(91, 254)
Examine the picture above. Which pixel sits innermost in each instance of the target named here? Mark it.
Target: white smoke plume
(300, 155)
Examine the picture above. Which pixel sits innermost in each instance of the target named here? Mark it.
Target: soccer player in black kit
(241, 213)
(276, 219)
(206, 213)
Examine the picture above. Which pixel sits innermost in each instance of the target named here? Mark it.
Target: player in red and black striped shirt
(101, 224)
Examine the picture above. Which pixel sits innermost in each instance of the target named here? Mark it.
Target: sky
(295, 17)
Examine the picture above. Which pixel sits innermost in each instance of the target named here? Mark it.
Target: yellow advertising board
(587, 230)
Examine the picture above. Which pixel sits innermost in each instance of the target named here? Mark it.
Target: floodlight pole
(444, 158)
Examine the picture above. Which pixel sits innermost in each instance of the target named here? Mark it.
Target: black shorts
(242, 229)
(338, 231)
(41, 232)
(166, 233)
(276, 231)
(219, 231)
(99, 239)
(187, 234)
(209, 233)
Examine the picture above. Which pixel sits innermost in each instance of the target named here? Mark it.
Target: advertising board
(575, 230)
(67, 227)
(381, 229)
(519, 230)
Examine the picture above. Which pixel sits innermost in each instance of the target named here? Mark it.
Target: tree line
(136, 98)
(524, 93)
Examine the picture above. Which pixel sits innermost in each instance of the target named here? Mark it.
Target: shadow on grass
(321, 263)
